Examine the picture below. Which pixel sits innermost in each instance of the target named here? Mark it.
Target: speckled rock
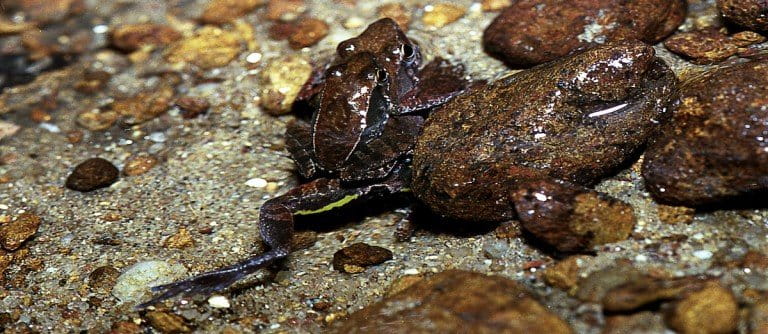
(167, 323)
(710, 46)
(139, 164)
(457, 302)
(716, 146)
(355, 257)
(442, 14)
(531, 32)
(210, 47)
(92, 174)
(572, 218)
(131, 37)
(134, 283)
(13, 234)
(192, 106)
(282, 80)
(565, 273)
(308, 32)
(577, 119)
(711, 310)
(224, 11)
(752, 14)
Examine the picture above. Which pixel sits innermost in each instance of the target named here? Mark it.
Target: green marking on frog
(331, 206)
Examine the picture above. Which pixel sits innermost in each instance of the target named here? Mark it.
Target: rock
(92, 174)
(93, 81)
(139, 164)
(564, 274)
(747, 13)
(282, 82)
(144, 106)
(182, 239)
(455, 301)
(716, 146)
(675, 214)
(8, 129)
(495, 5)
(644, 290)
(638, 323)
(308, 32)
(192, 106)
(132, 37)
(712, 309)
(102, 279)
(134, 283)
(595, 287)
(356, 257)
(96, 119)
(209, 48)
(285, 10)
(397, 12)
(710, 46)
(577, 119)
(13, 234)
(225, 11)
(572, 218)
(531, 32)
(45, 11)
(303, 240)
(125, 327)
(167, 323)
(402, 283)
(442, 14)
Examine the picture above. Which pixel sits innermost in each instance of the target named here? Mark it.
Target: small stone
(356, 257)
(97, 120)
(209, 48)
(571, 218)
(139, 164)
(192, 107)
(134, 283)
(168, 323)
(13, 28)
(182, 239)
(47, 11)
(675, 214)
(125, 327)
(303, 240)
(442, 14)
(308, 32)
(564, 274)
(225, 11)
(283, 78)
(131, 37)
(397, 12)
(747, 38)
(8, 129)
(455, 301)
(103, 279)
(144, 106)
(256, 183)
(702, 46)
(13, 234)
(218, 302)
(639, 292)
(285, 10)
(92, 174)
(353, 22)
(39, 115)
(747, 13)
(703, 254)
(93, 81)
(495, 5)
(712, 309)
(508, 230)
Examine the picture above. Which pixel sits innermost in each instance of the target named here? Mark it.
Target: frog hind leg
(440, 81)
(298, 140)
(277, 227)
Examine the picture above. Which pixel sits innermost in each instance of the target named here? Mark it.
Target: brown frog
(370, 107)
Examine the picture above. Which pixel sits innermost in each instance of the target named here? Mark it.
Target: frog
(370, 104)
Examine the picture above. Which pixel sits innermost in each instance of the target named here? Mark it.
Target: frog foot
(216, 280)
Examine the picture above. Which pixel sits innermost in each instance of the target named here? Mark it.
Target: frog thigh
(298, 141)
(439, 82)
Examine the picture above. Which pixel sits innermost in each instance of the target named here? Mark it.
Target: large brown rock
(577, 119)
(531, 32)
(752, 14)
(716, 147)
(457, 301)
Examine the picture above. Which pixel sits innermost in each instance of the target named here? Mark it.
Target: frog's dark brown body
(576, 119)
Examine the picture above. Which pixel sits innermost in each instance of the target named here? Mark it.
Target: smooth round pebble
(134, 283)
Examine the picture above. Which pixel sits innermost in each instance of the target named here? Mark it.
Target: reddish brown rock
(92, 174)
(457, 302)
(225, 11)
(308, 32)
(192, 106)
(752, 14)
(131, 37)
(13, 234)
(716, 146)
(710, 310)
(531, 32)
(710, 46)
(356, 257)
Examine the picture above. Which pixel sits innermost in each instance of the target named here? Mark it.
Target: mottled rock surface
(752, 14)
(92, 174)
(533, 32)
(716, 146)
(355, 257)
(457, 302)
(577, 119)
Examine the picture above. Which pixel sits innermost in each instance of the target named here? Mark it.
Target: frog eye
(407, 51)
(382, 76)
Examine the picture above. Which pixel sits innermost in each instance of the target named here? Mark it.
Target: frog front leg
(276, 223)
(439, 82)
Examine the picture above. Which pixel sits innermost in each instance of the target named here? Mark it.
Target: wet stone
(711, 45)
(285, 10)
(102, 279)
(8, 129)
(96, 119)
(209, 48)
(308, 32)
(675, 214)
(139, 164)
(397, 12)
(13, 234)
(715, 148)
(442, 14)
(564, 274)
(282, 80)
(578, 119)
(92, 174)
(144, 106)
(168, 323)
(572, 218)
(132, 37)
(531, 32)
(452, 302)
(356, 257)
(747, 13)
(713, 309)
(181, 239)
(192, 106)
(224, 11)
(495, 5)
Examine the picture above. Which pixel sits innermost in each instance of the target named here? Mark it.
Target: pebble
(144, 106)
(285, 10)
(574, 123)
(308, 32)
(139, 164)
(133, 284)
(92, 174)
(531, 32)
(132, 37)
(282, 80)
(192, 106)
(703, 254)
(210, 47)
(96, 119)
(675, 214)
(13, 234)
(495, 5)
(712, 309)
(715, 148)
(167, 323)
(710, 46)
(256, 183)
(747, 13)
(218, 302)
(8, 129)
(442, 14)
(564, 274)
(225, 11)
(356, 257)
(454, 301)
(181, 239)
(397, 12)
(102, 279)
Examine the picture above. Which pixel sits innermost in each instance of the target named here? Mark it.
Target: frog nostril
(407, 51)
(381, 76)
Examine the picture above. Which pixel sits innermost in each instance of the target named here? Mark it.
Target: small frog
(370, 108)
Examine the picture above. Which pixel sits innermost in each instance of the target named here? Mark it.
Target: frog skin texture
(370, 108)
